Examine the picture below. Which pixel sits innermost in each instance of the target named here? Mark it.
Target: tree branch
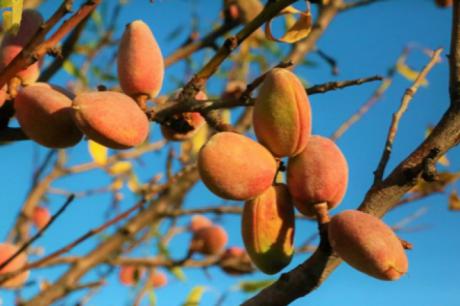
(407, 98)
(36, 49)
(379, 200)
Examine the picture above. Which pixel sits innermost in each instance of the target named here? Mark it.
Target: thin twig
(74, 243)
(161, 112)
(39, 233)
(378, 93)
(407, 98)
(36, 49)
(322, 88)
(358, 3)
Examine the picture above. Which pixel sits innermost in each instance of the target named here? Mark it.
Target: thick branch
(379, 200)
(112, 246)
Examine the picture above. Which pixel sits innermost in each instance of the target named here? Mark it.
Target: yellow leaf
(6, 3)
(443, 179)
(7, 20)
(226, 116)
(280, 177)
(16, 9)
(454, 201)
(133, 183)
(120, 167)
(443, 161)
(199, 139)
(409, 73)
(117, 184)
(195, 295)
(98, 152)
(296, 29)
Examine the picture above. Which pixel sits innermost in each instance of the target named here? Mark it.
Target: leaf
(6, 3)
(117, 184)
(16, 9)
(120, 167)
(97, 18)
(442, 180)
(280, 177)
(98, 152)
(71, 69)
(254, 286)
(133, 183)
(296, 29)
(194, 297)
(178, 273)
(199, 139)
(409, 73)
(152, 298)
(103, 76)
(454, 201)
(7, 21)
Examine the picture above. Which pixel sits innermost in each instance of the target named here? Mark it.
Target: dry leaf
(409, 73)
(443, 179)
(296, 29)
(454, 201)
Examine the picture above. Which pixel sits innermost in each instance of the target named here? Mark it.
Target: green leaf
(254, 286)
(71, 69)
(6, 3)
(97, 18)
(195, 295)
(102, 75)
(16, 9)
(178, 273)
(152, 298)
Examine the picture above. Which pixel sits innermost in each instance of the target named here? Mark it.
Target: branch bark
(381, 197)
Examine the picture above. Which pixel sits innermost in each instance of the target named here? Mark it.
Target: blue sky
(364, 41)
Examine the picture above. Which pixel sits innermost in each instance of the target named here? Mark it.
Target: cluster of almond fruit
(236, 167)
(231, 165)
(56, 118)
(210, 239)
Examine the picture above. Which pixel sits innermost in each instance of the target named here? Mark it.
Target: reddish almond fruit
(6, 251)
(268, 229)
(140, 62)
(367, 244)
(198, 222)
(444, 3)
(3, 95)
(41, 217)
(45, 115)
(158, 279)
(318, 174)
(12, 45)
(111, 119)
(130, 275)
(209, 240)
(183, 126)
(236, 261)
(235, 167)
(282, 115)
